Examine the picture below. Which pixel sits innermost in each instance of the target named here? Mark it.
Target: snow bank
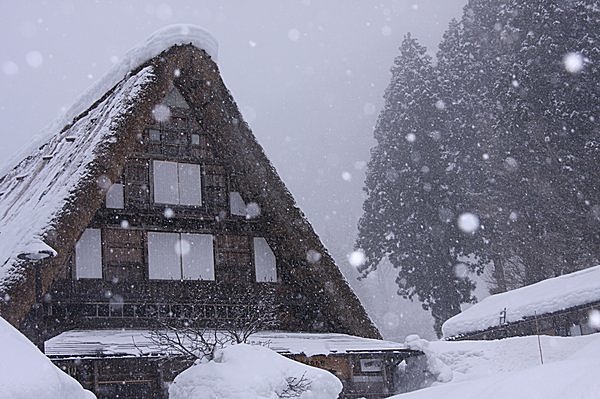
(440, 371)
(510, 368)
(26, 373)
(157, 42)
(251, 372)
(547, 296)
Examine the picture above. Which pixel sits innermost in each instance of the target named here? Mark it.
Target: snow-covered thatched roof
(50, 195)
(548, 296)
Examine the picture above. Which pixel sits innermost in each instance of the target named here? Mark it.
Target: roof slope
(64, 192)
(548, 296)
(42, 187)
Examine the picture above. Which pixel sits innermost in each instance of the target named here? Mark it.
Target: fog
(308, 76)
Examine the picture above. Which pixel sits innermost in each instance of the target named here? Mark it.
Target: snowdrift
(252, 372)
(511, 368)
(26, 373)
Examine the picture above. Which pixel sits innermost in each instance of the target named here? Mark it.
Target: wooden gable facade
(179, 219)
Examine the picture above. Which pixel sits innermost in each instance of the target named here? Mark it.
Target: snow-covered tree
(409, 214)
(503, 127)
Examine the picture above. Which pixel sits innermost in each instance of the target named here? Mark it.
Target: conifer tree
(409, 217)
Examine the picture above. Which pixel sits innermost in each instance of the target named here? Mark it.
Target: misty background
(308, 76)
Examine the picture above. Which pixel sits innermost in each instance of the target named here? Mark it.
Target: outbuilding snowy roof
(548, 296)
(80, 343)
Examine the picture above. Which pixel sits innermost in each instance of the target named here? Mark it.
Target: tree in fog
(410, 210)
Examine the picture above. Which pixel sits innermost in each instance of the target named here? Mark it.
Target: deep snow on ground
(25, 373)
(252, 372)
(511, 368)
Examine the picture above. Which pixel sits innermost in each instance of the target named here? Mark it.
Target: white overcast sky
(309, 77)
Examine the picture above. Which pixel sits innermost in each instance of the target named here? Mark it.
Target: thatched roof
(50, 197)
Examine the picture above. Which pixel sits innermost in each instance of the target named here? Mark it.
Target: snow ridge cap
(156, 43)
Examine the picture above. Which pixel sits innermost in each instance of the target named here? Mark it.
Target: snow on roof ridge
(546, 296)
(155, 44)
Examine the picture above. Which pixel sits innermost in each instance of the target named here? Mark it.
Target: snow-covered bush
(26, 373)
(253, 372)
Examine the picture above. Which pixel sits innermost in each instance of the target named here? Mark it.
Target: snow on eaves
(548, 296)
(129, 342)
(33, 194)
(158, 42)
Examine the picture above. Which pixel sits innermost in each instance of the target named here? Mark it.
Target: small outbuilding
(563, 306)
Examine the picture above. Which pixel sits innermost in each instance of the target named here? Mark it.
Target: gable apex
(134, 58)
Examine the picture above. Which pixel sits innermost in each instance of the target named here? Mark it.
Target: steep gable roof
(51, 195)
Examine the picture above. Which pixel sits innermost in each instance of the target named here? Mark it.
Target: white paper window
(174, 256)
(163, 257)
(177, 183)
(237, 206)
(264, 261)
(197, 258)
(166, 189)
(190, 189)
(114, 197)
(371, 365)
(88, 255)
(367, 379)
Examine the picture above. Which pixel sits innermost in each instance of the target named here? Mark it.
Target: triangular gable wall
(200, 85)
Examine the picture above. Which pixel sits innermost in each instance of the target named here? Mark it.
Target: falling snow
(468, 222)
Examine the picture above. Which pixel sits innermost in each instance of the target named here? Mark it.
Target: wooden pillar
(95, 375)
(160, 382)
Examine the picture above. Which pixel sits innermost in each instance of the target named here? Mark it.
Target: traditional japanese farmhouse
(564, 306)
(152, 204)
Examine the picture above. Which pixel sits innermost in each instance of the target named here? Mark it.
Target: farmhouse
(152, 205)
(559, 306)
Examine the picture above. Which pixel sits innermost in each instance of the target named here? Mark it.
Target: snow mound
(548, 296)
(27, 373)
(252, 372)
(511, 368)
(435, 366)
(159, 41)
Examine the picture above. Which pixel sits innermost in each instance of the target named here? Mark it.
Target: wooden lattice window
(234, 257)
(135, 179)
(215, 187)
(123, 255)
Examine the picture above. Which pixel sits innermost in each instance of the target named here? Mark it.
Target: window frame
(264, 272)
(98, 272)
(182, 274)
(178, 167)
